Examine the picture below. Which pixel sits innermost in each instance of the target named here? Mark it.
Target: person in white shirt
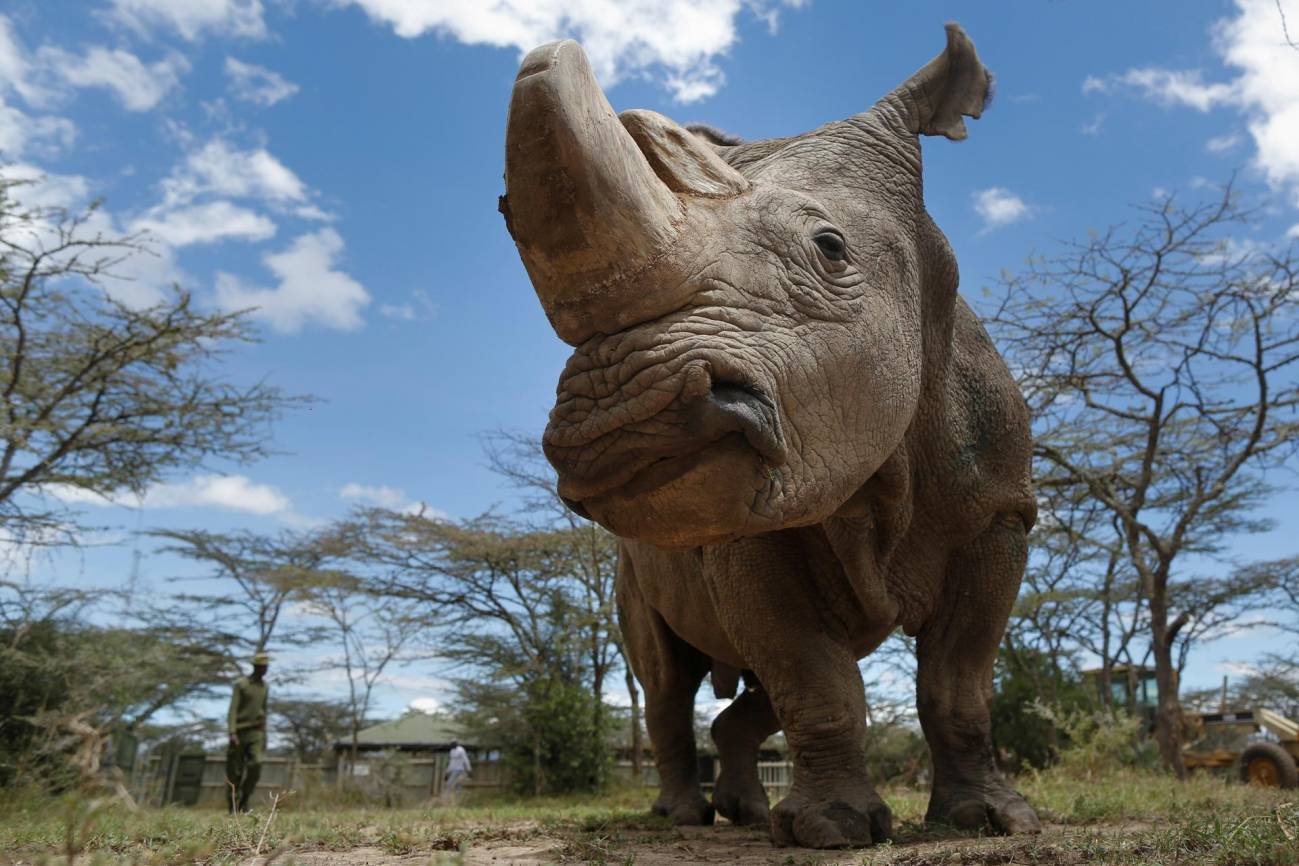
(458, 769)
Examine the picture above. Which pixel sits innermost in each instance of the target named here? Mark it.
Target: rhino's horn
(582, 202)
(933, 100)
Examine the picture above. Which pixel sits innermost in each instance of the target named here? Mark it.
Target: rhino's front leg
(773, 615)
(670, 671)
(955, 654)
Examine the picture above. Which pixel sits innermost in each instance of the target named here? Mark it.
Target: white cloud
(136, 280)
(193, 18)
(1165, 86)
(13, 63)
(998, 206)
(229, 492)
(1265, 89)
(1222, 143)
(257, 84)
(375, 494)
(137, 86)
(1249, 625)
(196, 204)
(16, 70)
(404, 312)
(310, 289)
(220, 168)
(676, 42)
(313, 212)
(232, 492)
(1094, 126)
(206, 223)
(21, 133)
(420, 306)
(392, 498)
(44, 135)
(425, 705)
(1268, 85)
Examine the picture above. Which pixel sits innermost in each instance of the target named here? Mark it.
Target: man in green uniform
(247, 734)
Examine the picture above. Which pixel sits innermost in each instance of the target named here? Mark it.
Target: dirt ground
(724, 843)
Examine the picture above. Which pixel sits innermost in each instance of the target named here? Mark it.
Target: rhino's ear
(681, 159)
(953, 84)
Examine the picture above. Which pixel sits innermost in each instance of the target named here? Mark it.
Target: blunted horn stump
(584, 205)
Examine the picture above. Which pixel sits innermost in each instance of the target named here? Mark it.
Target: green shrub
(1096, 741)
(564, 748)
(896, 753)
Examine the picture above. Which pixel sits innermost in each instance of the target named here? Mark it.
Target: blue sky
(337, 163)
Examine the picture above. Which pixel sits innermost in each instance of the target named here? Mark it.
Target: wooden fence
(387, 778)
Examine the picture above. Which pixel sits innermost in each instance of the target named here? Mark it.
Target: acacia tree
(1079, 593)
(261, 572)
(591, 553)
(311, 725)
(66, 684)
(1283, 576)
(99, 398)
(511, 620)
(1274, 682)
(1158, 360)
(370, 631)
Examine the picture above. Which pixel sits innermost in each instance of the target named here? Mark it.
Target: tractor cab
(1131, 689)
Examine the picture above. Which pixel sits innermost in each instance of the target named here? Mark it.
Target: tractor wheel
(1269, 766)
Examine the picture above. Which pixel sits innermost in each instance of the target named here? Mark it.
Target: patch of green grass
(1125, 818)
(1133, 795)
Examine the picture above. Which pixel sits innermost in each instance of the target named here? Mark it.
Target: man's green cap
(261, 659)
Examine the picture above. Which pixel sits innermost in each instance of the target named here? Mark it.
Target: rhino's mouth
(728, 411)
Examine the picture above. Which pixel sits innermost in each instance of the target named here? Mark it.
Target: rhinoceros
(800, 432)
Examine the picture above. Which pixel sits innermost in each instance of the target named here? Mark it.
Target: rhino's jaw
(711, 469)
(709, 496)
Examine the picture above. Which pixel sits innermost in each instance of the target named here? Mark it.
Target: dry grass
(1123, 817)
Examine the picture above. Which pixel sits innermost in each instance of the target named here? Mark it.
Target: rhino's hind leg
(738, 732)
(670, 671)
(955, 654)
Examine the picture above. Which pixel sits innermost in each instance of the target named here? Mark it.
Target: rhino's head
(752, 324)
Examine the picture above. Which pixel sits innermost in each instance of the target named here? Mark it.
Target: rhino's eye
(832, 245)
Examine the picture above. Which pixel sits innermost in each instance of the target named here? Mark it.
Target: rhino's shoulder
(987, 439)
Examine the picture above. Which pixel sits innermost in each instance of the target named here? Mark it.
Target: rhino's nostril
(733, 408)
(729, 391)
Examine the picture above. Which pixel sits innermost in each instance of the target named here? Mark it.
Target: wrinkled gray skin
(801, 432)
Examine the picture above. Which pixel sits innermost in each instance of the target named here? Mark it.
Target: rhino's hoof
(831, 823)
(744, 808)
(1001, 810)
(685, 811)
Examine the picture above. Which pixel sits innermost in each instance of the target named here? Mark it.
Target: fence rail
(393, 779)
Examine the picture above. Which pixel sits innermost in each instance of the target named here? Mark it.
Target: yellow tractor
(1221, 740)
(1215, 741)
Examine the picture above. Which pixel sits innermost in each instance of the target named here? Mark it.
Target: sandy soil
(734, 845)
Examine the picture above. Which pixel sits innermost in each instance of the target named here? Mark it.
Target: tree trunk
(356, 748)
(1106, 684)
(636, 745)
(597, 689)
(537, 787)
(1168, 711)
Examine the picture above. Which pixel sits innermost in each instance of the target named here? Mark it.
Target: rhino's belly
(672, 583)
